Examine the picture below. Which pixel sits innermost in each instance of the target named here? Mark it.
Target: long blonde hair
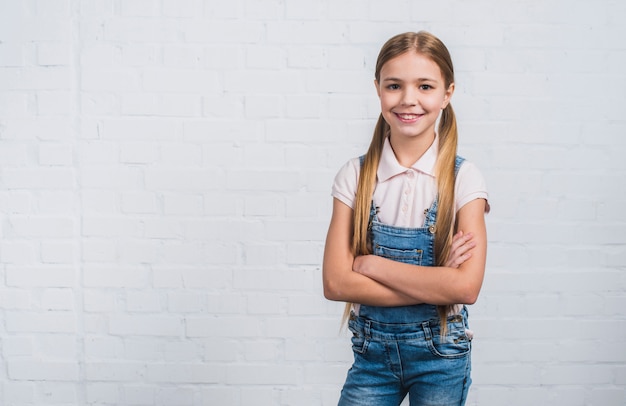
(430, 46)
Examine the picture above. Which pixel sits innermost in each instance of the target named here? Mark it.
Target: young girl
(407, 244)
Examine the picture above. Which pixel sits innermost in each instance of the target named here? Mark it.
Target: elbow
(334, 283)
(335, 289)
(467, 286)
(469, 294)
(331, 291)
(470, 299)
(330, 295)
(328, 292)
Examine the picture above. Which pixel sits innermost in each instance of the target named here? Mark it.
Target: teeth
(408, 116)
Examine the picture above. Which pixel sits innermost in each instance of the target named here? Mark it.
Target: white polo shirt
(403, 194)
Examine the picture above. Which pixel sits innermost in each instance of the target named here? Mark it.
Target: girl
(390, 249)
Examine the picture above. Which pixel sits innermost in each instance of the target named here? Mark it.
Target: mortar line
(75, 108)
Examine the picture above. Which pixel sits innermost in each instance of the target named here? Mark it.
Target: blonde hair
(430, 46)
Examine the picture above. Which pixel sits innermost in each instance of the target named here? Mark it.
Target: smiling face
(412, 92)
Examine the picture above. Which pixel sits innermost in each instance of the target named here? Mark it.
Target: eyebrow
(392, 79)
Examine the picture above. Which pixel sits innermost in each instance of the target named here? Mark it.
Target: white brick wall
(165, 170)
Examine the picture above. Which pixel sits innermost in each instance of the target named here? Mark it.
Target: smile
(408, 118)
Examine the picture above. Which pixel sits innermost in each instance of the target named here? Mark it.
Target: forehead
(411, 65)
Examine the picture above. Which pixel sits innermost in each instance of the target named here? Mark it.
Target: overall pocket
(455, 344)
(359, 341)
(412, 256)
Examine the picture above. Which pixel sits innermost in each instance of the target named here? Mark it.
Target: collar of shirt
(390, 167)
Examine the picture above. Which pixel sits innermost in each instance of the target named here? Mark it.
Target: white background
(165, 174)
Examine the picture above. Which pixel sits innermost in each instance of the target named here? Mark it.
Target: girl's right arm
(340, 282)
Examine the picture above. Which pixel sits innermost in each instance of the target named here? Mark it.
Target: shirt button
(404, 209)
(411, 174)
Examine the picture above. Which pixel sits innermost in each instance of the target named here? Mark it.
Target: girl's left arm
(437, 285)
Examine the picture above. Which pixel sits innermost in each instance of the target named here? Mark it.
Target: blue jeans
(393, 360)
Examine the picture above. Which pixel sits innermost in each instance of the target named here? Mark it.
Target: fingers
(461, 241)
(456, 261)
(460, 249)
(356, 263)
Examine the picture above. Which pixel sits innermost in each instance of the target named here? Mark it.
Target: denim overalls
(399, 350)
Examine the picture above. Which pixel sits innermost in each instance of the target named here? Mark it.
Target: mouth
(408, 117)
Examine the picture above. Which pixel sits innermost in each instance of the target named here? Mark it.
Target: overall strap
(458, 161)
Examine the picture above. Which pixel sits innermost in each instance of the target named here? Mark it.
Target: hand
(363, 264)
(460, 249)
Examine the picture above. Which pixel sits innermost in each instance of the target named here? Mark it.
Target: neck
(410, 150)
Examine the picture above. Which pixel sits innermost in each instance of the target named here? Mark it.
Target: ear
(447, 96)
(377, 88)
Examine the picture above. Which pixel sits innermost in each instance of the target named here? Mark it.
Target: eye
(425, 87)
(393, 86)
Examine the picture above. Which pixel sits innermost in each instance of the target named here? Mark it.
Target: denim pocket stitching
(464, 346)
(359, 344)
(358, 339)
(410, 256)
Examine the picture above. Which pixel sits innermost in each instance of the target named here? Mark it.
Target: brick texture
(165, 174)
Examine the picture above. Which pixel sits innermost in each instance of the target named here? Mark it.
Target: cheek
(384, 103)
(437, 103)
(388, 100)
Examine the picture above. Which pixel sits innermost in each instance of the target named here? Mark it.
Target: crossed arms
(377, 281)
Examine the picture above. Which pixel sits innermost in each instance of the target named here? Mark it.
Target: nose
(409, 97)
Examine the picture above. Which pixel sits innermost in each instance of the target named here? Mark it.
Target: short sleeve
(346, 181)
(470, 185)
